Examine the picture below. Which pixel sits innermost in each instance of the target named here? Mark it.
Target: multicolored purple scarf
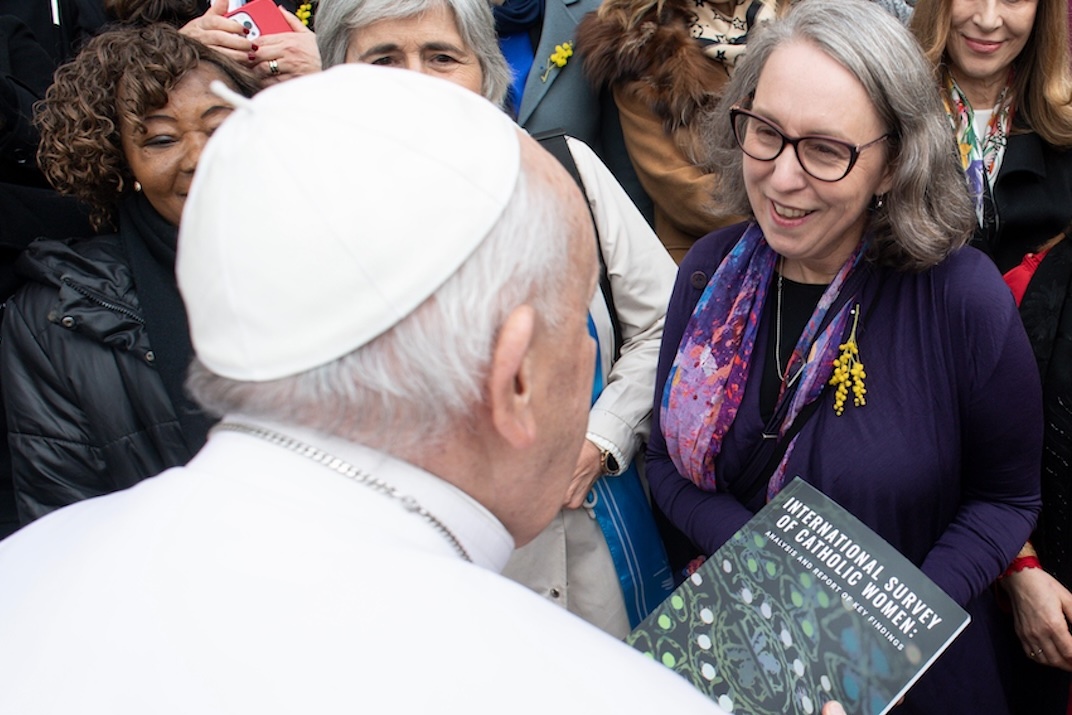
(706, 382)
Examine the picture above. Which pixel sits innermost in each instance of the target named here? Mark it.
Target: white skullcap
(329, 207)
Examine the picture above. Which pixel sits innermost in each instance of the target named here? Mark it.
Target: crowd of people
(664, 257)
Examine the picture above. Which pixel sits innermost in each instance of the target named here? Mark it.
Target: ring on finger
(273, 67)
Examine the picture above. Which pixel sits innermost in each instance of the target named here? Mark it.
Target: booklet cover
(805, 604)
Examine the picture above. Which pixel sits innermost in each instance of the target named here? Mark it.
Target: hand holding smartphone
(260, 17)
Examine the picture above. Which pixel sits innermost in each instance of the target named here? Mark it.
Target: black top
(798, 304)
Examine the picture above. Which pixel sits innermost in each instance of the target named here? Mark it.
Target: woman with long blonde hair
(1006, 76)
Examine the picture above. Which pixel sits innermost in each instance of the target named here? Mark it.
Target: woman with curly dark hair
(95, 346)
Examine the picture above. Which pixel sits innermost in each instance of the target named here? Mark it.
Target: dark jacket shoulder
(1032, 197)
(85, 286)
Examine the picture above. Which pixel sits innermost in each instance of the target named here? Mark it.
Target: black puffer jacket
(89, 406)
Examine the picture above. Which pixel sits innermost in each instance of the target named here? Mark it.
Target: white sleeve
(641, 276)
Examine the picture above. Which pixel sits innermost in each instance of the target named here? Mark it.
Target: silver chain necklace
(350, 472)
(783, 375)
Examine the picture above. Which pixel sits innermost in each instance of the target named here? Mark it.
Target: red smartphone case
(260, 17)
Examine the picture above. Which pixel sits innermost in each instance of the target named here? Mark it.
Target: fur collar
(657, 56)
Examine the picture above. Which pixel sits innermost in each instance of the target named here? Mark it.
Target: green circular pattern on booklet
(768, 648)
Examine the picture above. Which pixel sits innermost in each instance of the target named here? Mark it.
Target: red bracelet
(1020, 563)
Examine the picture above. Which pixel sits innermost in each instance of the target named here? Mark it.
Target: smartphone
(260, 17)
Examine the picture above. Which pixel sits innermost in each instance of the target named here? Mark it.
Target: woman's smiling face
(163, 150)
(985, 38)
(814, 224)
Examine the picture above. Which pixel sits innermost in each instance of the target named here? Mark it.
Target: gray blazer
(566, 101)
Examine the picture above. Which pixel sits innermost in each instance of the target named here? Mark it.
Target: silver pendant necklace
(349, 471)
(783, 375)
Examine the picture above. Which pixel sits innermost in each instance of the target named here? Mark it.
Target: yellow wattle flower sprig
(558, 58)
(305, 11)
(849, 371)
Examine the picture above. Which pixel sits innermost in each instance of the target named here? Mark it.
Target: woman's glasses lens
(825, 159)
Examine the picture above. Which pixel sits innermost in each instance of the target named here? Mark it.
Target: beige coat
(569, 563)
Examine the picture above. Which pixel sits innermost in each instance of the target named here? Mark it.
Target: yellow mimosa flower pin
(558, 58)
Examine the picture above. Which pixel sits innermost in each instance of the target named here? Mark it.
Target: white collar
(481, 534)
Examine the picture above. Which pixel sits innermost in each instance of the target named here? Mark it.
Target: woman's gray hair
(928, 212)
(419, 383)
(337, 19)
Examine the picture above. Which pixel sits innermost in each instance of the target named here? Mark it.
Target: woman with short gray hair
(337, 21)
(845, 335)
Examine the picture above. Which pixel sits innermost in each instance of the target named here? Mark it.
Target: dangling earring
(880, 201)
(137, 187)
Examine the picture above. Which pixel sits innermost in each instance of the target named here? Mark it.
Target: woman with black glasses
(845, 335)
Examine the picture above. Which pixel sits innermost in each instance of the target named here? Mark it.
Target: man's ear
(510, 378)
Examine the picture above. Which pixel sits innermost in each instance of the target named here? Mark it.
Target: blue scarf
(621, 507)
(516, 24)
(515, 16)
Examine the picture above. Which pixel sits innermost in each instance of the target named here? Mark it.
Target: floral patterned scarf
(725, 38)
(706, 382)
(980, 157)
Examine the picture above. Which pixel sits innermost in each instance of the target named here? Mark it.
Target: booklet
(805, 604)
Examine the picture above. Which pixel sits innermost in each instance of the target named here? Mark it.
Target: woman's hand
(589, 469)
(221, 33)
(1042, 610)
(833, 708)
(286, 55)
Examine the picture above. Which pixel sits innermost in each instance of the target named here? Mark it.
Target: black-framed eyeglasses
(825, 158)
